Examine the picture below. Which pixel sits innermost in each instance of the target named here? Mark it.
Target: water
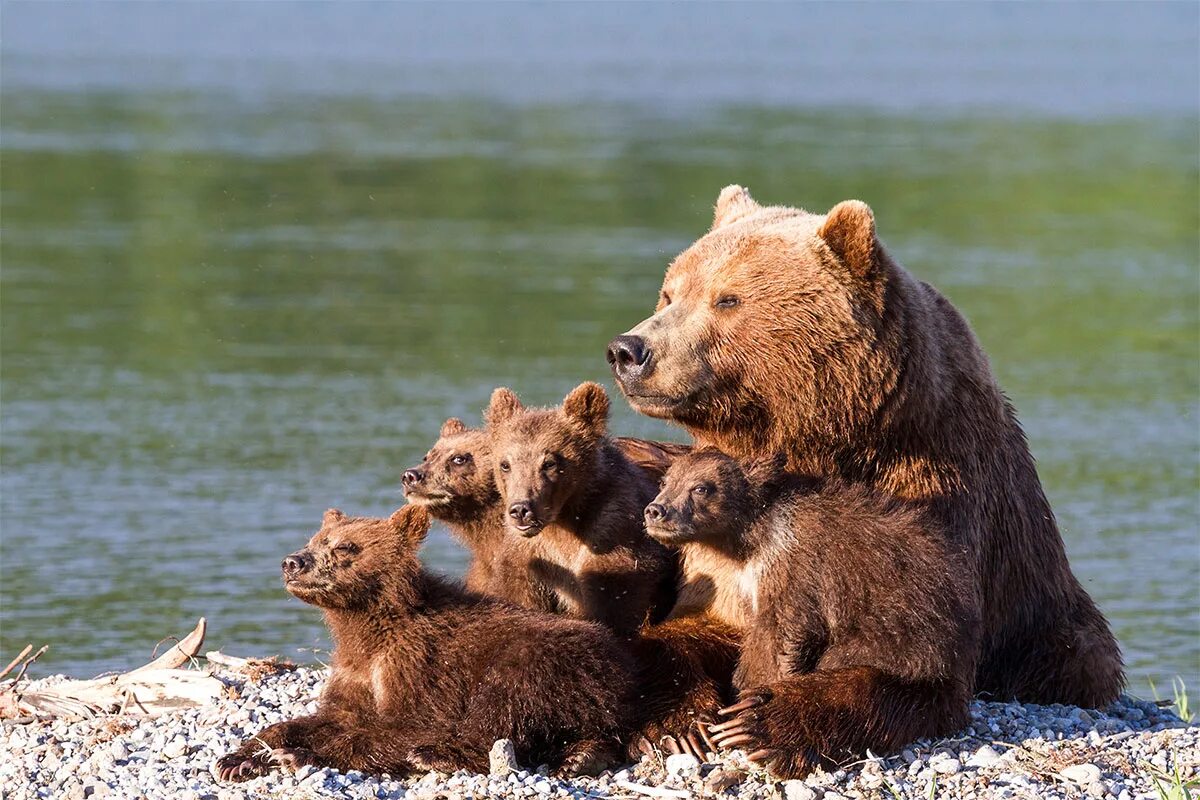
(253, 258)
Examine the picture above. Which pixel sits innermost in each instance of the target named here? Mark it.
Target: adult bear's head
(778, 325)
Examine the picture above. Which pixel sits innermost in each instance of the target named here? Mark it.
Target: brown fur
(684, 677)
(580, 499)
(455, 483)
(427, 675)
(860, 624)
(784, 331)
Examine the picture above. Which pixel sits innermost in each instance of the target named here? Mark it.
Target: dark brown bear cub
(859, 629)
(577, 501)
(427, 676)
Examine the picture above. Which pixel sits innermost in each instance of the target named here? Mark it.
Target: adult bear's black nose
(628, 356)
(411, 477)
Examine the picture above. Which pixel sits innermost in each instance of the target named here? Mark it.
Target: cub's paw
(292, 758)
(587, 758)
(246, 764)
(770, 730)
(242, 765)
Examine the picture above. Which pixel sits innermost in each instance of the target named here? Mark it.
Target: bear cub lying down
(426, 676)
(858, 626)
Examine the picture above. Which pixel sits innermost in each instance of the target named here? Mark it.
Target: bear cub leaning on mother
(782, 331)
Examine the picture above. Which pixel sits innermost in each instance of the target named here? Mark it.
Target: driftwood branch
(149, 690)
(20, 657)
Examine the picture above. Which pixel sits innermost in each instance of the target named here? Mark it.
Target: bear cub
(859, 627)
(577, 502)
(426, 676)
(454, 482)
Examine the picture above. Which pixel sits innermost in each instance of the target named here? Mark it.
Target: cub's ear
(504, 405)
(333, 516)
(452, 426)
(588, 403)
(765, 472)
(411, 523)
(733, 203)
(849, 230)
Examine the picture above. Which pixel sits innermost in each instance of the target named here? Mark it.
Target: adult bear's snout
(629, 356)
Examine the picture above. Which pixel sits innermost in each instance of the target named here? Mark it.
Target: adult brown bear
(785, 331)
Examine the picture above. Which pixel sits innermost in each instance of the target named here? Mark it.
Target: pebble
(984, 757)
(1082, 774)
(679, 763)
(169, 757)
(798, 790)
(502, 759)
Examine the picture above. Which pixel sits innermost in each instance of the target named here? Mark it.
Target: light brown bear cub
(454, 482)
(427, 676)
(578, 501)
(859, 627)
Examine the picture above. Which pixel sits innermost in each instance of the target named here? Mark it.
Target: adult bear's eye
(728, 301)
(666, 298)
(701, 490)
(458, 461)
(346, 549)
(505, 466)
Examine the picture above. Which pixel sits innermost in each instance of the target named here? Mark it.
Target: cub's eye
(665, 298)
(346, 549)
(505, 466)
(459, 460)
(549, 464)
(727, 301)
(702, 490)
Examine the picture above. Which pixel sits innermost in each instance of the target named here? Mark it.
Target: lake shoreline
(1007, 750)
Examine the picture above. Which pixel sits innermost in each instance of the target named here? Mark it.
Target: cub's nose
(521, 513)
(296, 564)
(656, 512)
(629, 356)
(411, 477)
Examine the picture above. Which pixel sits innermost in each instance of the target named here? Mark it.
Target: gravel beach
(1009, 750)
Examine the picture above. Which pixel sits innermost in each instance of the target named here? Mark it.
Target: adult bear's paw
(770, 726)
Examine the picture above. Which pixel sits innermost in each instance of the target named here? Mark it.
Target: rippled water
(247, 272)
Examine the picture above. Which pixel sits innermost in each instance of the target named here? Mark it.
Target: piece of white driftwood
(143, 692)
(183, 651)
(217, 657)
(149, 690)
(653, 791)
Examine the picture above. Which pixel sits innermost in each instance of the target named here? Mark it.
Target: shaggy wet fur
(573, 506)
(782, 331)
(859, 625)
(426, 676)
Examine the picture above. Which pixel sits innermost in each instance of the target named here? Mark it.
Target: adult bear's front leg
(828, 717)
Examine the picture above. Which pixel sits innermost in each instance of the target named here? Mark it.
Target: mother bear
(785, 331)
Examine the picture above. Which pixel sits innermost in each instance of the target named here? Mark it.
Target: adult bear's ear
(333, 516)
(503, 406)
(452, 426)
(411, 523)
(849, 231)
(733, 203)
(588, 403)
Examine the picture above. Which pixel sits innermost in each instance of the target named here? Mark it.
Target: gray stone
(798, 790)
(945, 765)
(983, 757)
(1082, 774)
(719, 780)
(680, 763)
